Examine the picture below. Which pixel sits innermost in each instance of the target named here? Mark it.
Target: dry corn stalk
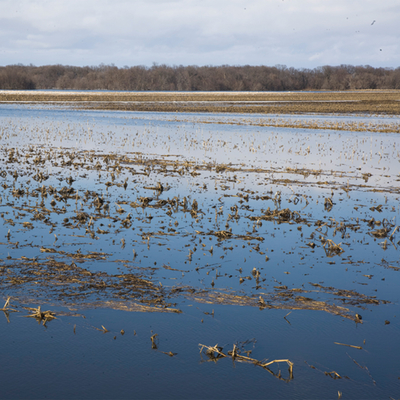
(216, 352)
(41, 316)
(332, 247)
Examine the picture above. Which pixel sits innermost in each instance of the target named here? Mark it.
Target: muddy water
(198, 229)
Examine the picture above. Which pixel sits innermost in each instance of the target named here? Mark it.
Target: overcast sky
(295, 33)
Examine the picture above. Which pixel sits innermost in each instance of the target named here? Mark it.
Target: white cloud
(300, 33)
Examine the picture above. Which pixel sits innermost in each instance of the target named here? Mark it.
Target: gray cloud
(299, 33)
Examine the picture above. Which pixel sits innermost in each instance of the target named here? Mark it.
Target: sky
(295, 33)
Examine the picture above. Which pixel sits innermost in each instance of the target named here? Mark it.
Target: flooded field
(198, 255)
(345, 102)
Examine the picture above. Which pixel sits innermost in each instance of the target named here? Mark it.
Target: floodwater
(144, 236)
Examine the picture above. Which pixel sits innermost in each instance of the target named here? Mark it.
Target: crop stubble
(363, 102)
(146, 214)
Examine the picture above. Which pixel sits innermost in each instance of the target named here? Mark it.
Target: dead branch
(216, 352)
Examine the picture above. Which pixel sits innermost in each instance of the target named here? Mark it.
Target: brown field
(364, 102)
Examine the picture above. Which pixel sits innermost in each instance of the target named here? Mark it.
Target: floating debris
(216, 352)
(41, 316)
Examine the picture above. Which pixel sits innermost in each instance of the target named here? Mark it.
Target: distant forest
(193, 78)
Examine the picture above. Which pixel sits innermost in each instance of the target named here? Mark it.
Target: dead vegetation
(93, 213)
(268, 227)
(41, 316)
(143, 232)
(289, 299)
(215, 353)
(371, 102)
(74, 285)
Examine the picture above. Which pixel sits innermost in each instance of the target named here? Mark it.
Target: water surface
(273, 238)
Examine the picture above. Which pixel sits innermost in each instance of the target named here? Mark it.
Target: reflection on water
(212, 229)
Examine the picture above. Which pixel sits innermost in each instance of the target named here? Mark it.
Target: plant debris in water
(66, 209)
(257, 220)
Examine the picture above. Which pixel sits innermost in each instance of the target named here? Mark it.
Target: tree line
(194, 78)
